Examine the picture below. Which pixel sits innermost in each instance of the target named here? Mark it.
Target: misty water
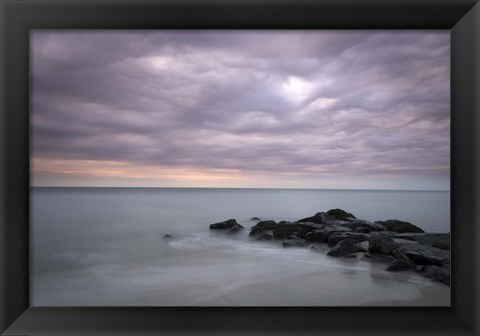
(104, 247)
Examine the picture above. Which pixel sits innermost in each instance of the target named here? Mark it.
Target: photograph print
(240, 168)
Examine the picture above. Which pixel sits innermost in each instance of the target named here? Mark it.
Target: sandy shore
(354, 283)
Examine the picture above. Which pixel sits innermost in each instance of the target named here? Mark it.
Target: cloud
(316, 104)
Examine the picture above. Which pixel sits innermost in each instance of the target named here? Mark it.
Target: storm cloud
(307, 109)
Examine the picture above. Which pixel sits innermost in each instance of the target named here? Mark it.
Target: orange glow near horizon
(106, 169)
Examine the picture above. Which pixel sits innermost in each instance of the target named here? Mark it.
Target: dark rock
(346, 247)
(399, 255)
(285, 223)
(235, 229)
(443, 245)
(381, 233)
(255, 219)
(350, 256)
(439, 240)
(225, 225)
(285, 231)
(319, 218)
(401, 265)
(263, 227)
(263, 236)
(400, 226)
(321, 236)
(167, 236)
(364, 226)
(425, 255)
(382, 245)
(404, 241)
(310, 226)
(436, 273)
(340, 214)
(266, 225)
(298, 242)
(337, 237)
(377, 258)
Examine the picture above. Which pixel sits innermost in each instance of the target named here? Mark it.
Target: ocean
(104, 247)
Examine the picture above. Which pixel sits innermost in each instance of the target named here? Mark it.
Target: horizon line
(248, 188)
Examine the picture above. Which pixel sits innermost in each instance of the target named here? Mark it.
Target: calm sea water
(104, 247)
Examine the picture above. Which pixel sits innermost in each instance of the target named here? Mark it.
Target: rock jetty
(400, 245)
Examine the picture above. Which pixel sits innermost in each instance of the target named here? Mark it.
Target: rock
(236, 228)
(364, 226)
(382, 245)
(266, 225)
(225, 225)
(436, 273)
(346, 247)
(401, 265)
(350, 256)
(399, 255)
(319, 218)
(255, 219)
(298, 242)
(377, 258)
(340, 214)
(167, 236)
(286, 231)
(404, 241)
(285, 223)
(439, 240)
(337, 237)
(443, 245)
(425, 255)
(310, 226)
(400, 226)
(263, 227)
(321, 236)
(263, 236)
(318, 236)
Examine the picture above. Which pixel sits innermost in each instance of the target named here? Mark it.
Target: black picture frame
(17, 17)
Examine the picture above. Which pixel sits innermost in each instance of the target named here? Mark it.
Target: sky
(250, 109)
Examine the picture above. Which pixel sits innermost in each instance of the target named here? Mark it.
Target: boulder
(298, 242)
(263, 236)
(346, 247)
(225, 225)
(443, 245)
(321, 236)
(401, 265)
(318, 218)
(266, 225)
(364, 226)
(436, 273)
(337, 237)
(382, 245)
(235, 229)
(310, 226)
(396, 225)
(263, 227)
(377, 258)
(340, 214)
(439, 240)
(286, 231)
(318, 236)
(425, 255)
(167, 236)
